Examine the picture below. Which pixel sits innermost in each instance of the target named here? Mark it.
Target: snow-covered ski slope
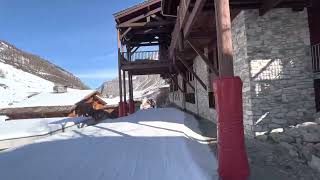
(16, 85)
(152, 144)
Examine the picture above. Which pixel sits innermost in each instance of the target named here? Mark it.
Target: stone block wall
(272, 57)
(201, 106)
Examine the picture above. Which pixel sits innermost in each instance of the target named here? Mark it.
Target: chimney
(58, 88)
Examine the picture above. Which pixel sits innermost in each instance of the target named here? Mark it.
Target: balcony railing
(315, 52)
(143, 55)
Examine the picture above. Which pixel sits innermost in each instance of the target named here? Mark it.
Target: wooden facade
(92, 106)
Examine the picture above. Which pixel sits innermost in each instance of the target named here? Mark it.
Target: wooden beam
(141, 16)
(177, 83)
(145, 44)
(181, 41)
(193, 73)
(198, 6)
(268, 5)
(146, 24)
(184, 78)
(224, 37)
(125, 33)
(203, 57)
(134, 50)
(117, 16)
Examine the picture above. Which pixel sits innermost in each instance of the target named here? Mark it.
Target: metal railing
(143, 55)
(315, 52)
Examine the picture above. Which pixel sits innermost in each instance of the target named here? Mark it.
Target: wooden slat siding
(268, 5)
(224, 38)
(194, 74)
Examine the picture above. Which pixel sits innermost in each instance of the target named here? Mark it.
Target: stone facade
(272, 57)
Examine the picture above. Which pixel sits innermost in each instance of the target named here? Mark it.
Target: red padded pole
(232, 156)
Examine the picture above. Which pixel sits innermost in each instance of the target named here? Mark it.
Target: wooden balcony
(145, 62)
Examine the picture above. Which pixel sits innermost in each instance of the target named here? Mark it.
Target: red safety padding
(232, 156)
(120, 109)
(131, 107)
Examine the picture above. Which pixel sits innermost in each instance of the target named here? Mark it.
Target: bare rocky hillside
(37, 66)
(143, 86)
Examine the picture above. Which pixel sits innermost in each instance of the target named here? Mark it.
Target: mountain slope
(143, 86)
(16, 85)
(37, 66)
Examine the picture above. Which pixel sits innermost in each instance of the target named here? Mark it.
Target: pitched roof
(135, 7)
(69, 98)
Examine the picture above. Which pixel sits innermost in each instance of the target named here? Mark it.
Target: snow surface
(151, 144)
(16, 85)
(35, 127)
(69, 98)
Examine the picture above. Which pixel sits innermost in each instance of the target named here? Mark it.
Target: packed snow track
(153, 144)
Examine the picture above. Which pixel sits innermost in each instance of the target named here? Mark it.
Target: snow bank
(150, 144)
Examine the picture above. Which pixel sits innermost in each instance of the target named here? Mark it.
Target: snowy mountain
(37, 66)
(16, 85)
(23, 75)
(143, 86)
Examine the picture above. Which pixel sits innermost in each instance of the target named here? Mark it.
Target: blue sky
(78, 35)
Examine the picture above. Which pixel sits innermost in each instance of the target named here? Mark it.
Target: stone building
(277, 57)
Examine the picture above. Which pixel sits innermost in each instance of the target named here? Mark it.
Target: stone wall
(242, 69)
(272, 57)
(201, 106)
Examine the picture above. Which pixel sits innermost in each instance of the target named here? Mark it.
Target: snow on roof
(69, 98)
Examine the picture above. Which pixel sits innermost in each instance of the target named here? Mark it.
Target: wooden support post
(124, 86)
(119, 76)
(124, 94)
(224, 37)
(193, 73)
(131, 100)
(119, 67)
(228, 95)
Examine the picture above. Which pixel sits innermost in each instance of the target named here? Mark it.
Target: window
(212, 102)
(190, 98)
(317, 93)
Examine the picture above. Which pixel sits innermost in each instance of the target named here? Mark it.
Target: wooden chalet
(68, 104)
